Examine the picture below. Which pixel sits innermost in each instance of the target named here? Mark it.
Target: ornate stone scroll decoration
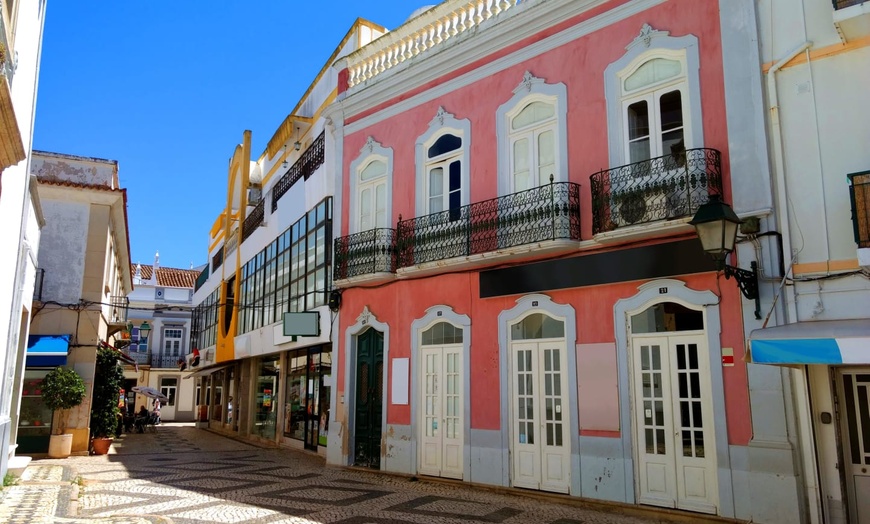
(646, 36)
(529, 80)
(440, 116)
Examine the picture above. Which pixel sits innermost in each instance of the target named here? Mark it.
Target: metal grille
(365, 253)
(253, 220)
(550, 212)
(859, 193)
(217, 259)
(660, 188)
(307, 164)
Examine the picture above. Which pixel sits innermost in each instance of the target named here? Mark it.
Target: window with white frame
(372, 195)
(371, 180)
(532, 136)
(444, 175)
(655, 108)
(172, 341)
(533, 145)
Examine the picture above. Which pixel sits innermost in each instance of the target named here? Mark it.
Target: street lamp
(144, 330)
(716, 224)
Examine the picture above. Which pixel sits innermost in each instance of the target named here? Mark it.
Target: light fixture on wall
(297, 145)
(284, 164)
(716, 224)
(144, 331)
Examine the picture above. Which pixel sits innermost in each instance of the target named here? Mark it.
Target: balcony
(369, 255)
(665, 188)
(253, 220)
(851, 19)
(303, 168)
(859, 195)
(201, 279)
(542, 214)
(118, 315)
(217, 259)
(165, 361)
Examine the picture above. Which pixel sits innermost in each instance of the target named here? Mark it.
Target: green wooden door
(369, 399)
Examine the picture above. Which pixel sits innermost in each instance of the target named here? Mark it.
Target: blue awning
(827, 342)
(47, 350)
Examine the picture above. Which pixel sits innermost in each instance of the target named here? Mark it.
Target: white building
(162, 297)
(21, 25)
(816, 77)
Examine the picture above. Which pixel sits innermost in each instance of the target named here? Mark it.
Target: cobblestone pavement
(181, 474)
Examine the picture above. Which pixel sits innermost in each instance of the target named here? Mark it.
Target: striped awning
(828, 342)
(47, 350)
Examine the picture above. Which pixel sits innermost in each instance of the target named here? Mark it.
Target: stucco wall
(63, 249)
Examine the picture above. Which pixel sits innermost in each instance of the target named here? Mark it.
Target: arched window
(533, 145)
(537, 325)
(441, 334)
(667, 317)
(372, 195)
(444, 175)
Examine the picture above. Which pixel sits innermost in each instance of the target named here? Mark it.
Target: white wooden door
(541, 446)
(441, 439)
(673, 423)
(856, 445)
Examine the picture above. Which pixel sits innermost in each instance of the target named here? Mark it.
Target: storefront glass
(217, 380)
(306, 407)
(266, 405)
(34, 419)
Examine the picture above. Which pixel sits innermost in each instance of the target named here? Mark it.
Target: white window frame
(370, 152)
(167, 339)
(648, 45)
(529, 90)
(443, 123)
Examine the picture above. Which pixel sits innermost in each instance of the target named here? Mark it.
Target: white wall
(64, 240)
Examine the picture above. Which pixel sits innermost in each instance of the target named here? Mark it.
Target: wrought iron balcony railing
(201, 279)
(661, 188)
(120, 305)
(164, 361)
(549, 212)
(365, 253)
(842, 4)
(859, 194)
(217, 259)
(307, 164)
(253, 220)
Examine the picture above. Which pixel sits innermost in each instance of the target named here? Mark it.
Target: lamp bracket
(747, 281)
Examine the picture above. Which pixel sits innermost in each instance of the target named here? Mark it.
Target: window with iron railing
(217, 259)
(253, 220)
(859, 194)
(201, 279)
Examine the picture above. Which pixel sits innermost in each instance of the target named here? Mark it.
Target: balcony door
(855, 392)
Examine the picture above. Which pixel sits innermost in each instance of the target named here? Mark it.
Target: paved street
(183, 475)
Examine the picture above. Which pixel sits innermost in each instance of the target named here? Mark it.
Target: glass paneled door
(673, 423)
(441, 438)
(856, 446)
(541, 443)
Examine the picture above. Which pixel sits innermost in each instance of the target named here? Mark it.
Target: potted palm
(108, 378)
(62, 390)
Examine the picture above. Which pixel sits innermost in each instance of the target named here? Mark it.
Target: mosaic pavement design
(184, 475)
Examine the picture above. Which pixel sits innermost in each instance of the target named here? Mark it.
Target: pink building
(523, 301)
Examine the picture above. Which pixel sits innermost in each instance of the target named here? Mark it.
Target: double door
(541, 444)
(441, 438)
(673, 423)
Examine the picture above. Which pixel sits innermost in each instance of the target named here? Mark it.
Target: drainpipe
(789, 306)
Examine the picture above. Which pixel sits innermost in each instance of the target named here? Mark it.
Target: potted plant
(108, 378)
(62, 389)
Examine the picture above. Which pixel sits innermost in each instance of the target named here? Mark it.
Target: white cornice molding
(522, 24)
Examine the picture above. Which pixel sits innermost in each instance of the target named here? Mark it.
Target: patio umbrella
(148, 391)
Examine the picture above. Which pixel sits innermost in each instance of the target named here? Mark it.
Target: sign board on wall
(302, 324)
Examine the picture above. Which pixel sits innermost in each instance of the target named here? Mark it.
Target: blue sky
(167, 89)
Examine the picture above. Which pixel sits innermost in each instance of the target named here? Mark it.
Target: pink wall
(580, 66)
(402, 302)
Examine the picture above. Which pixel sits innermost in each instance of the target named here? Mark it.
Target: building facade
(523, 301)
(258, 376)
(816, 64)
(21, 25)
(84, 258)
(161, 301)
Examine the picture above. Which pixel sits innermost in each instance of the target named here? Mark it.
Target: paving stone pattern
(181, 474)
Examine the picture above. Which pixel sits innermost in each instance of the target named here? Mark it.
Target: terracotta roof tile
(169, 276)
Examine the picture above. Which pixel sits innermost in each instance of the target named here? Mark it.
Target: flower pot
(60, 446)
(100, 445)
